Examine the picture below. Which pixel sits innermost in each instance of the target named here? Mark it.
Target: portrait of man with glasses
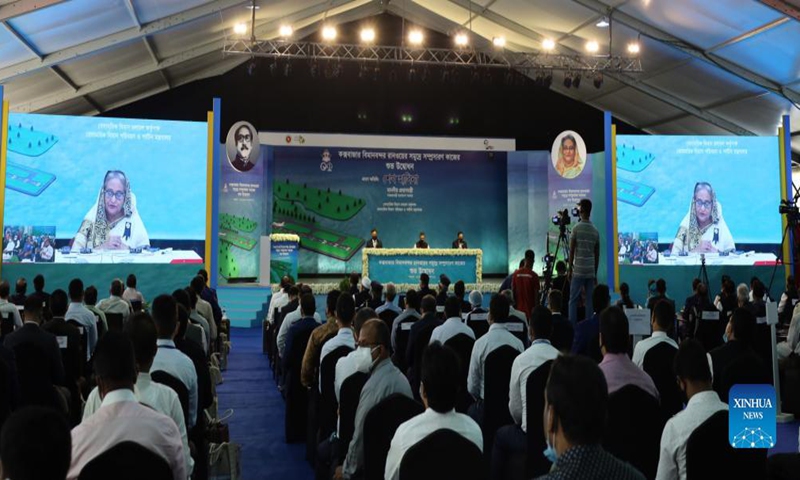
(245, 145)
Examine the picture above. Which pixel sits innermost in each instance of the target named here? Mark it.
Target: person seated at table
(459, 242)
(46, 251)
(421, 243)
(374, 241)
(113, 222)
(703, 229)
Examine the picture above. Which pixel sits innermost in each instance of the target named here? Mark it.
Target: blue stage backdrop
(332, 197)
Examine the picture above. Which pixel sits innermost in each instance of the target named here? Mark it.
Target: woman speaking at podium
(703, 230)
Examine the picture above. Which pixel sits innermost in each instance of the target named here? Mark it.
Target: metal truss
(445, 57)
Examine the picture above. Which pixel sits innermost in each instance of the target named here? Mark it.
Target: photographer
(584, 259)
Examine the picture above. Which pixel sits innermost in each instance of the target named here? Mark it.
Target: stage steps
(245, 306)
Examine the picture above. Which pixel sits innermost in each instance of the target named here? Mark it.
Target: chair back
(708, 327)
(401, 341)
(518, 328)
(478, 321)
(496, 378)
(709, 453)
(537, 464)
(328, 404)
(388, 317)
(177, 386)
(462, 344)
(296, 413)
(349, 394)
(658, 364)
(127, 461)
(421, 341)
(35, 377)
(136, 306)
(101, 326)
(6, 324)
(84, 336)
(114, 321)
(5, 394)
(380, 424)
(443, 454)
(634, 414)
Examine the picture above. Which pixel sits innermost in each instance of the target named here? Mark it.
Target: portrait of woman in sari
(569, 163)
(703, 229)
(113, 223)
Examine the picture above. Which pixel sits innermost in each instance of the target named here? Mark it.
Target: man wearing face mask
(385, 379)
(694, 378)
(576, 402)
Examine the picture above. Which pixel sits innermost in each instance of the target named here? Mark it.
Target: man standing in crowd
(584, 259)
(525, 285)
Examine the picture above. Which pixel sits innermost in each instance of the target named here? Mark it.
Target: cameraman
(584, 259)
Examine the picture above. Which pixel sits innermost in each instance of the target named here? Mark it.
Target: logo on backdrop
(242, 146)
(327, 164)
(568, 154)
(751, 420)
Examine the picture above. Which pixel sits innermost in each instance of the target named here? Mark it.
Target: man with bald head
(374, 344)
(114, 303)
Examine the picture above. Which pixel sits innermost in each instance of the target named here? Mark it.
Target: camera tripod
(562, 246)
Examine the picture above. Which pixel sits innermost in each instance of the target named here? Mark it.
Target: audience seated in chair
(459, 290)
(385, 379)
(309, 372)
(290, 317)
(660, 294)
(439, 392)
(198, 320)
(512, 439)
(90, 302)
(694, 378)
(478, 317)
(204, 307)
(454, 325)
(656, 356)
(71, 348)
(114, 303)
(418, 338)
(35, 444)
(736, 359)
(20, 291)
(400, 333)
(375, 295)
(141, 330)
(131, 293)
(587, 332)
(121, 417)
(617, 368)
(563, 332)
(518, 316)
(442, 290)
(349, 365)
(496, 337)
(194, 332)
(168, 358)
(576, 402)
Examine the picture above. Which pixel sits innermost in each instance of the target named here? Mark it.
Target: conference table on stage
(405, 265)
(714, 259)
(160, 256)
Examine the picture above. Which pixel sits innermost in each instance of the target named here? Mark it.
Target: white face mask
(364, 359)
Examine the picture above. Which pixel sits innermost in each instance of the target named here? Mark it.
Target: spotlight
(251, 68)
(576, 81)
(548, 79)
(499, 42)
(329, 33)
(598, 80)
(287, 69)
(240, 28)
(633, 48)
(285, 31)
(273, 69)
(568, 80)
(548, 44)
(462, 40)
(415, 37)
(603, 23)
(368, 35)
(592, 46)
(412, 74)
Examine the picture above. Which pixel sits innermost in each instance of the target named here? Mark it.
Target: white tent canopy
(710, 66)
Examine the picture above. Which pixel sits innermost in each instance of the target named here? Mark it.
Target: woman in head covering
(570, 164)
(113, 223)
(703, 230)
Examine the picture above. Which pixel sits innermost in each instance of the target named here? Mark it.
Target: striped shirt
(586, 239)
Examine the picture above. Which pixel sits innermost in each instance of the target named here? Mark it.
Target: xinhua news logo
(751, 420)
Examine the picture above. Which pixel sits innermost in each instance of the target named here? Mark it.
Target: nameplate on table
(515, 327)
(62, 341)
(406, 326)
(638, 321)
(709, 315)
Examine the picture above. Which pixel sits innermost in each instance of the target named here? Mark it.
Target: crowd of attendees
(433, 359)
(87, 387)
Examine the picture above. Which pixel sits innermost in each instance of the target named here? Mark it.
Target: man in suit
(587, 332)
(294, 301)
(418, 337)
(421, 243)
(459, 242)
(35, 443)
(244, 147)
(31, 332)
(306, 323)
(363, 296)
(736, 361)
(563, 332)
(374, 241)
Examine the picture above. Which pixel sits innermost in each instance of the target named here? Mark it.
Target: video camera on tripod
(790, 209)
(561, 219)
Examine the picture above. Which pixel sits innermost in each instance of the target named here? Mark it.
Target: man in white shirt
(439, 392)
(204, 308)
(114, 303)
(390, 294)
(496, 337)
(346, 366)
(512, 439)
(289, 320)
(694, 378)
(131, 294)
(454, 325)
(121, 417)
(142, 332)
(196, 318)
(169, 359)
(6, 307)
(789, 345)
(662, 320)
(279, 299)
(82, 315)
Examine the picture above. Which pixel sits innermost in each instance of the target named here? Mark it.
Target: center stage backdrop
(332, 198)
